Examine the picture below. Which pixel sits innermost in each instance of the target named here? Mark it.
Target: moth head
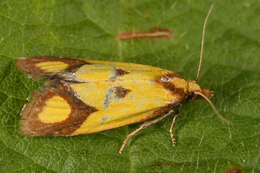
(194, 87)
(195, 90)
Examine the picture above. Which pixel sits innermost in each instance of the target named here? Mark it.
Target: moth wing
(53, 112)
(91, 96)
(121, 103)
(46, 66)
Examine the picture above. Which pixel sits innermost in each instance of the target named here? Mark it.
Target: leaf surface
(88, 29)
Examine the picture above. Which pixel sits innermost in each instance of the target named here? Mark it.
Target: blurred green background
(88, 29)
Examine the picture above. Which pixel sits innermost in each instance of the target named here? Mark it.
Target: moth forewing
(122, 95)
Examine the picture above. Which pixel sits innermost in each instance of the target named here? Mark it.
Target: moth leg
(172, 126)
(143, 126)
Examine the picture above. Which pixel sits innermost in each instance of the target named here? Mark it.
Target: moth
(87, 96)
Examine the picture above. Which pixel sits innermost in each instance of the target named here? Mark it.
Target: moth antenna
(213, 107)
(202, 41)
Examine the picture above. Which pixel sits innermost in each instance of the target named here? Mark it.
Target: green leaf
(88, 29)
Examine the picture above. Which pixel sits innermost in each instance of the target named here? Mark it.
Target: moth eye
(165, 79)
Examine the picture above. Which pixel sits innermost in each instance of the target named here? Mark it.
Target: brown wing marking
(159, 111)
(121, 92)
(31, 124)
(162, 80)
(121, 72)
(29, 65)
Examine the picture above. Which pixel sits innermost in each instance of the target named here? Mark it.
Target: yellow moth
(87, 96)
